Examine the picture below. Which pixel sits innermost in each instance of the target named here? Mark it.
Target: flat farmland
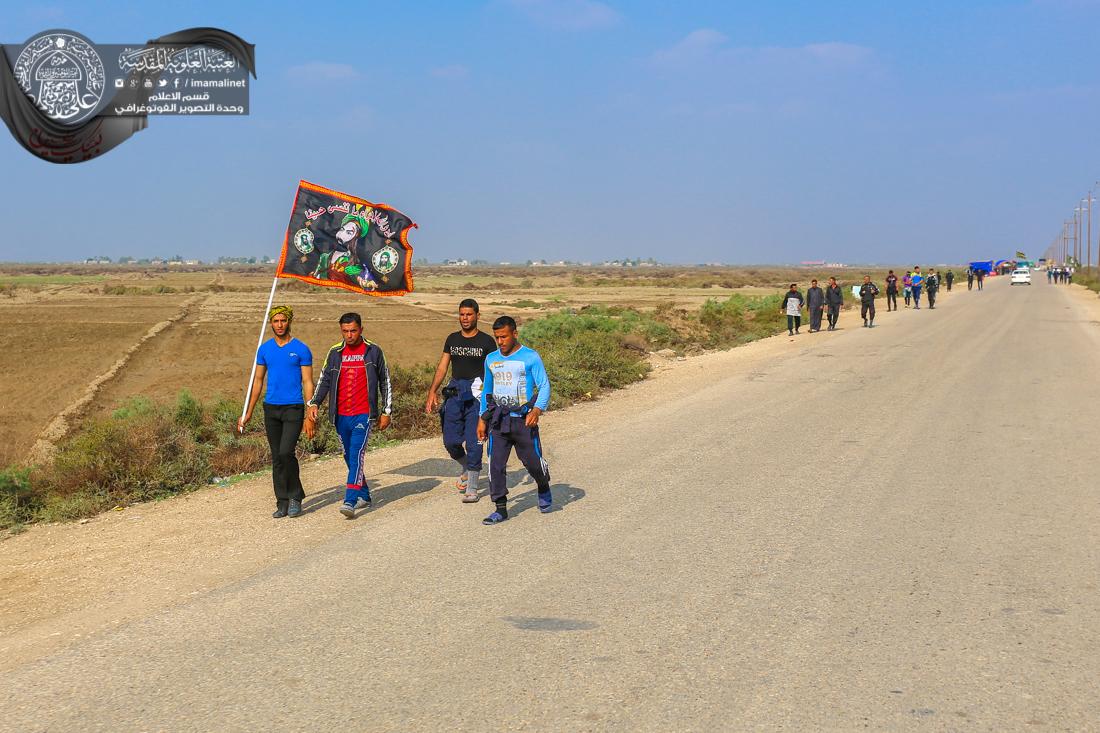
(96, 337)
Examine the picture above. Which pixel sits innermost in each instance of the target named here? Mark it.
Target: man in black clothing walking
(815, 303)
(932, 287)
(950, 279)
(867, 293)
(464, 352)
(891, 292)
(834, 298)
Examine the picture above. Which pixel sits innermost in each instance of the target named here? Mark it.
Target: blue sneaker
(546, 502)
(494, 518)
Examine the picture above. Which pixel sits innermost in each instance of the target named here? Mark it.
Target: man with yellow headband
(288, 365)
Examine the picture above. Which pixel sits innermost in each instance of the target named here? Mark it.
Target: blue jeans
(459, 418)
(916, 295)
(354, 430)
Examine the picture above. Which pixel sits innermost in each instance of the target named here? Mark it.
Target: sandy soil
(56, 342)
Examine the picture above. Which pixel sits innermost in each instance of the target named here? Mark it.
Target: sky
(690, 132)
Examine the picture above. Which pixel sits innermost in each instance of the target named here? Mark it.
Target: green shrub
(17, 497)
(586, 353)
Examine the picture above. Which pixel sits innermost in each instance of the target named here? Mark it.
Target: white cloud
(454, 71)
(568, 15)
(322, 71)
(694, 46)
(709, 47)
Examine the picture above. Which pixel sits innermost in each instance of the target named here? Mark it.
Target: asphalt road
(894, 529)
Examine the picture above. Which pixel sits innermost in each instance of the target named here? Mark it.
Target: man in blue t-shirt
(288, 365)
(516, 391)
(918, 284)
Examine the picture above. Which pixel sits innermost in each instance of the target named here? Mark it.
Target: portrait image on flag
(338, 240)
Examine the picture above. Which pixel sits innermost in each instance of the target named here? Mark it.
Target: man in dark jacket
(834, 298)
(867, 293)
(815, 303)
(891, 292)
(356, 382)
(950, 277)
(932, 287)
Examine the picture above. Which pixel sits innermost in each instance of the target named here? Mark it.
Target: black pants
(891, 300)
(793, 322)
(867, 310)
(931, 298)
(834, 314)
(949, 283)
(980, 280)
(969, 283)
(815, 318)
(283, 424)
(528, 449)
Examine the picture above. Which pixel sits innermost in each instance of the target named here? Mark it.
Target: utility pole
(1088, 238)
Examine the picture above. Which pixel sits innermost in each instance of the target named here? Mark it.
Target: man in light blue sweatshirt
(516, 391)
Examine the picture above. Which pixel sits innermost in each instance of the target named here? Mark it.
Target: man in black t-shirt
(464, 352)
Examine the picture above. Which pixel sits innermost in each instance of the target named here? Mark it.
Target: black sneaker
(279, 512)
(295, 508)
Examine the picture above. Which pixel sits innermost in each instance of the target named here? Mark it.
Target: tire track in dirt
(46, 445)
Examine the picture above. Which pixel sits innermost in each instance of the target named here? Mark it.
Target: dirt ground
(65, 326)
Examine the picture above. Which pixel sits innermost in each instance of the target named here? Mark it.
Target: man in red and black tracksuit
(357, 383)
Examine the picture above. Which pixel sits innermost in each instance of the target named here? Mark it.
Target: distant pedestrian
(932, 287)
(918, 284)
(1050, 275)
(907, 286)
(1069, 275)
(980, 274)
(287, 363)
(867, 292)
(970, 278)
(356, 381)
(792, 306)
(950, 279)
(834, 299)
(891, 292)
(517, 392)
(464, 352)
(815, 303)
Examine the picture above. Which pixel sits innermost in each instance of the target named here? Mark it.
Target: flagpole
(259, 342)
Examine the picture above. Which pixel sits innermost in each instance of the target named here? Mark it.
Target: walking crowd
(1060, 275)
(490, 406)
(817, 300)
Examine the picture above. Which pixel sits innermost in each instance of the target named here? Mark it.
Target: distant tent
(983, 265)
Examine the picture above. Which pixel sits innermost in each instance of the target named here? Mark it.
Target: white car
(1021, 275)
